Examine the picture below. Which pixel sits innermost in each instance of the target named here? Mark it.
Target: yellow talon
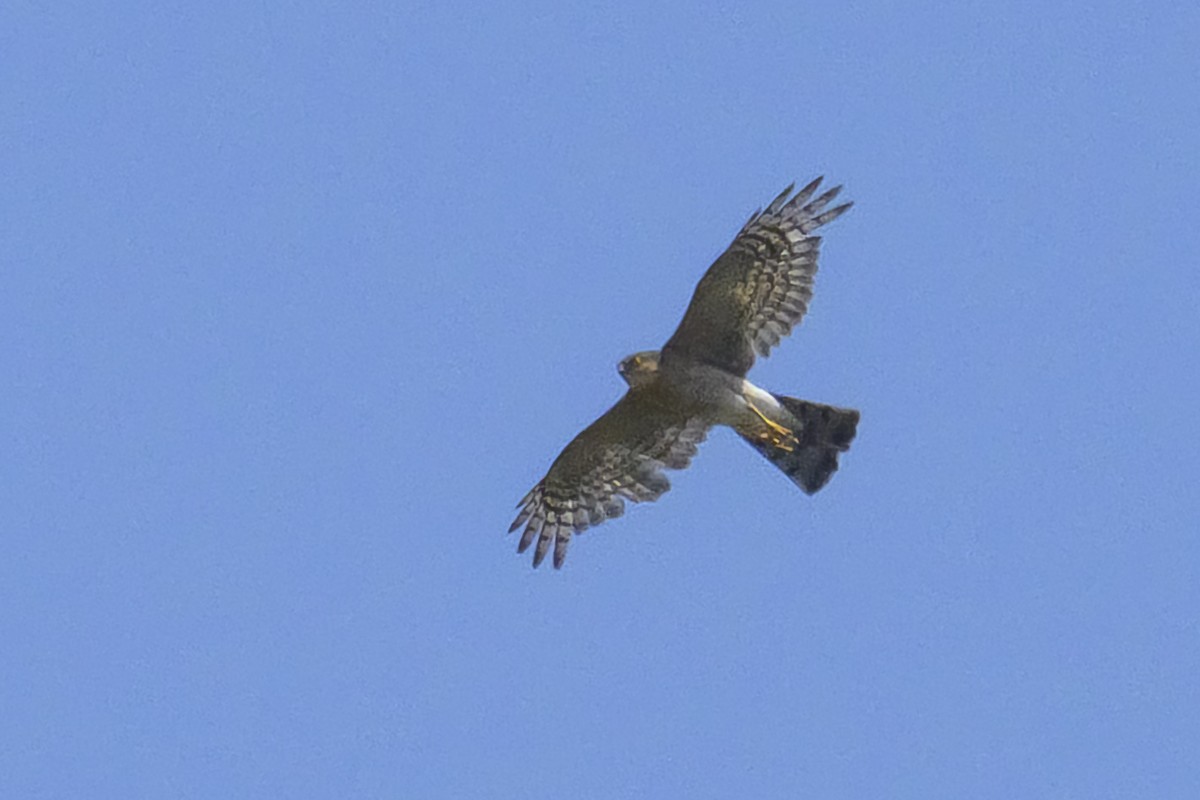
(767, 437)
(775, 426)
(777, 435)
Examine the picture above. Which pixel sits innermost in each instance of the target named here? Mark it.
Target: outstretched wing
(759, 288)
(618, 457)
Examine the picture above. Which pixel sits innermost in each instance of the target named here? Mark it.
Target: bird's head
(639, 367)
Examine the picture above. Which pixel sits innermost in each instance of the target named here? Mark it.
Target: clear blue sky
(297, 302)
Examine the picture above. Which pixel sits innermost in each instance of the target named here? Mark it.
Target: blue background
(297, 302)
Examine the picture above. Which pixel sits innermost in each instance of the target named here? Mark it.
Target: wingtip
(827, 196)
(832, 214)
(801, 197)
(531, 531)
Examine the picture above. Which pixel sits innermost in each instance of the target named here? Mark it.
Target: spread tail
(821, 432)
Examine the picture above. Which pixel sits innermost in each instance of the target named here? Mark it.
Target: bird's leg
(784, 434)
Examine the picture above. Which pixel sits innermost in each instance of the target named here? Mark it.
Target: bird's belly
(719, 397)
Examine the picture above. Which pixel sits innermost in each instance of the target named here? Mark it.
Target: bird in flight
(750, 298)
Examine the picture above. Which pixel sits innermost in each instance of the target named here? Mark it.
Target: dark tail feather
(822, 432)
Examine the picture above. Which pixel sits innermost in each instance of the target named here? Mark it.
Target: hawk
(750, 298)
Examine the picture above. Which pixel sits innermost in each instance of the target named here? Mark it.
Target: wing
(617, 458)
(759, 288)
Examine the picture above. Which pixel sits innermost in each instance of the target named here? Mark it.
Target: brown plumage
(747, 301)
